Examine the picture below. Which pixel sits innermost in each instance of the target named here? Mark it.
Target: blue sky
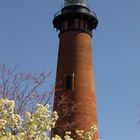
(27, 36)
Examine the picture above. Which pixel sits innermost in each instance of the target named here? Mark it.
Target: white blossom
(34, 126)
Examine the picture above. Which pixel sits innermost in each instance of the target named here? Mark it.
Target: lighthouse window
(69, 82)
(85, 24)
(66, 25)
(71, 24)
(76, 23)
(81, 24)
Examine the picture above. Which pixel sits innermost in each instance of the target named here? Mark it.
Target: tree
(24, 110)
(34, 126)
(24, 88)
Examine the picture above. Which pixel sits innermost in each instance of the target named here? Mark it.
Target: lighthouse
(74, 98)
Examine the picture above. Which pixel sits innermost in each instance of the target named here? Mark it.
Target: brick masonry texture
(76, 107)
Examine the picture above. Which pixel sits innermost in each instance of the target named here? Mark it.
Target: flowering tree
(20, 92)
(34, 126)
(24, 88)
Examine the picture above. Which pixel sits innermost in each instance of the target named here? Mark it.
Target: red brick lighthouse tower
(75, 99)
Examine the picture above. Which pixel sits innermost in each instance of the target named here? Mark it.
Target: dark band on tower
(75, 16)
